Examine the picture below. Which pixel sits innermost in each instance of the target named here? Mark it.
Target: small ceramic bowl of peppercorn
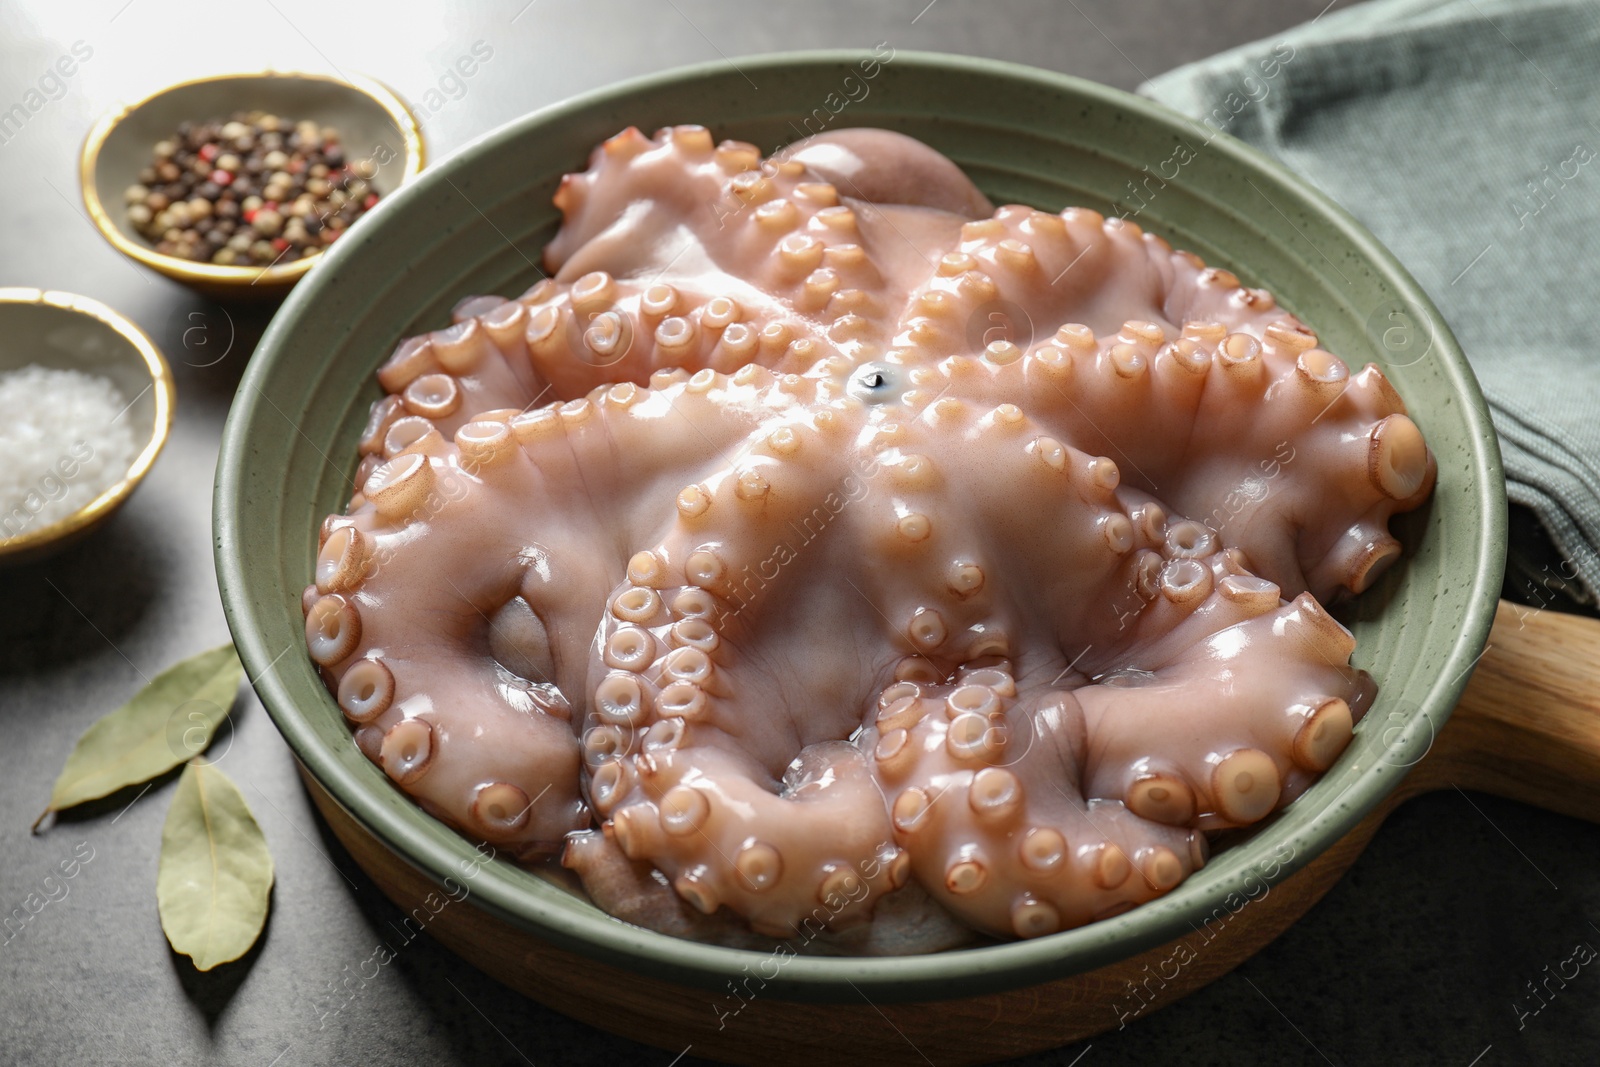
(234, 184)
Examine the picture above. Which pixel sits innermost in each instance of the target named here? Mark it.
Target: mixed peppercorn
(253, 191)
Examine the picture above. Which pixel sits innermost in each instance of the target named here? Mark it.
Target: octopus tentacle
(817, 850)
(1270, 699)
(884, 167)
(386, 668)
(1352, 458)
(904, 922)
(478, 364)
(1159, 392)
(983, 795)
(405, 605)
(629, 890)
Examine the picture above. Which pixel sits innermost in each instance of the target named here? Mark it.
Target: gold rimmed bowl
(68, 332)
(373, 123)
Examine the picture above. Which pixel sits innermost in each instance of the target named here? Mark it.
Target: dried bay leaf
(165, 723)
(215, 875)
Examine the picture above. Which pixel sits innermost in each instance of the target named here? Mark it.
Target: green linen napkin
(1464, 134)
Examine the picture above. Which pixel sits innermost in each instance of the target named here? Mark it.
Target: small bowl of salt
(86, 401)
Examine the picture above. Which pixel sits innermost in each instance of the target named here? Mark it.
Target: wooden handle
(1528, 725)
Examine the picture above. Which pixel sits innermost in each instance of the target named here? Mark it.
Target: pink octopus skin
(730, 539)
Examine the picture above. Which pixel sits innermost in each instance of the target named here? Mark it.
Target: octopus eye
(876, 383)
(520, 643)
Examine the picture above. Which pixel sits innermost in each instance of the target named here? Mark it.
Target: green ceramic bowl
(476, 223)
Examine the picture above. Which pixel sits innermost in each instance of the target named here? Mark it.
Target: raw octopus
(819, 543)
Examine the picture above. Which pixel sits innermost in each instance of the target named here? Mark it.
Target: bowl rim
(213, 274)
(165, 399)
(960, 972)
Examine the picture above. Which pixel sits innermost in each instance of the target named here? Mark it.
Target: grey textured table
(1419, 956)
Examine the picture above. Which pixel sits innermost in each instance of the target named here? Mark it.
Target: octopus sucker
(367, 689)
(821, 552)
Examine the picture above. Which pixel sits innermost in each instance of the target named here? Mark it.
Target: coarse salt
(66, 437)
